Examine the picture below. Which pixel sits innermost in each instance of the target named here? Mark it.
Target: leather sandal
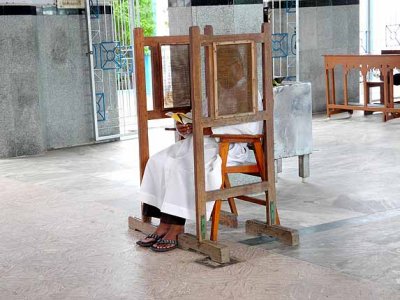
(153, 236)
(173, 243)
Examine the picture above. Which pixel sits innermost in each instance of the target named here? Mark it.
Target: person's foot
(151, 239)
(170, 240)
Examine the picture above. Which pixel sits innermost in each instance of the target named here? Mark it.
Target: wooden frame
(385, 63)
(196, 41)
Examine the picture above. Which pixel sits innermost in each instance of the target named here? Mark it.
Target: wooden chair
(255, 169)
(380, 84)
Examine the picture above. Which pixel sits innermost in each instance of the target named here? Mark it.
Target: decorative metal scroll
(110, 58)
(101, 107)
(392, 35)
(280, 45)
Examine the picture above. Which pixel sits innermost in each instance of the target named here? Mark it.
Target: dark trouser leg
(173, 220)
(154, 212)
(150, 211)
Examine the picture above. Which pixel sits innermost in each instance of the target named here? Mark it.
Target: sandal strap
(171, 242)
(153, 236)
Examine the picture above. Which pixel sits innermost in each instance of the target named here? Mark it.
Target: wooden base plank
(216, 251)
(286, 235)
(228, 219)
(138, 225)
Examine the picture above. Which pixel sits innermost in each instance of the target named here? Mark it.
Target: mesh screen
(176, 75)
(234, 74)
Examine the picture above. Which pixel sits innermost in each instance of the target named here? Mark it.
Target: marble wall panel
(180, 19)
(21, 130)
(65, 81)
(308, 25)
(7, 125)
(325, 18)
(45, 94)
(248, 18)
(220, 17)
(336, 32)
(25, 101)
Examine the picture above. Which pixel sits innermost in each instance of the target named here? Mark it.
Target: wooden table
(385, 63)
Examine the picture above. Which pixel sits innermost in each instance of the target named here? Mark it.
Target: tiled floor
(64, 235)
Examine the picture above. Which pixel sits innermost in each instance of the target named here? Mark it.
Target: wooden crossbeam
(253, 188)
(256, 37)
(258, 116)
(216, 251)
(287, 236)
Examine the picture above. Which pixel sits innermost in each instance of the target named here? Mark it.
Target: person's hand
(184, 129)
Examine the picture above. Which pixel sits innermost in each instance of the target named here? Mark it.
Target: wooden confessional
(187, 70)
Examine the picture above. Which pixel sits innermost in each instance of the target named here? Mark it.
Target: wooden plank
(141, 101)
(369, 108)
(386, 100)
(209, 62)
(253, 169)
(155, 41)
(373, 61)
(245, 189)
(138, 225)
(237, 119)
(333, 85)
(252, 200)
(157, 80)
(345, 88)
(285, 235)
(160, 114)
(216, 251)
(390, 52)
(237, 38)
(365, 87)
(198, 138)
(327, 91)
(269, 125)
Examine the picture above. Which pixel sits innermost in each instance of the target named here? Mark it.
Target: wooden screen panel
(175, 76)
(235, 79)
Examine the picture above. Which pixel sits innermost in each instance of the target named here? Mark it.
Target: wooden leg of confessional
(139, 225)
(259, 154)
(286, 235)
(217, 252)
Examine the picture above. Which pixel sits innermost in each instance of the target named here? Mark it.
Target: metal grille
(111, 43)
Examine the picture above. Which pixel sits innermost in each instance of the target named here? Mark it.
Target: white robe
(168, 180)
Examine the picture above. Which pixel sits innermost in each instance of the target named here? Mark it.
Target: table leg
(304, 166)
